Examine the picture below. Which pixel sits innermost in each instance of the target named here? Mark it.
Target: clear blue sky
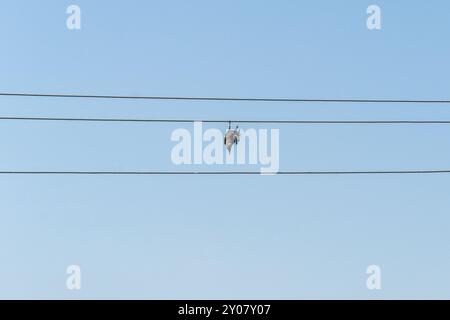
(174, 236)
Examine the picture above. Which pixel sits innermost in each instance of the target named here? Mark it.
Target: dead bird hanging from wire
(232, 136)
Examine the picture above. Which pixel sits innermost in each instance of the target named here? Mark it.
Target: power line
(243, 99)
(226, 121)
(129, 173)
(223, 172)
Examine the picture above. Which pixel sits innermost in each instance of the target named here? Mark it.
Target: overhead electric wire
(199, 98)
(71, 119)
(124, 173)
(379, 172)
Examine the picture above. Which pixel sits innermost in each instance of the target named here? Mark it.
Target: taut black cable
(227, 121)
(243, 99)
(129, 173)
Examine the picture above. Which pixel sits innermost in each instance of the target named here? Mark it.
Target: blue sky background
(282, 237)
